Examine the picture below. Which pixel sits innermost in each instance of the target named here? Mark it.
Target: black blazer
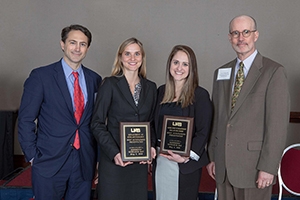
(202, 112)
(115, 104)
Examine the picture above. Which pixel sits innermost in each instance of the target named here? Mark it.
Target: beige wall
(30, 34)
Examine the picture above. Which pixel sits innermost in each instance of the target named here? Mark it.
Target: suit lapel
(251, 79)
(143, 95)
(90, 93)
(124, 88)
(61, 82)
(228, 87)
(225, 89)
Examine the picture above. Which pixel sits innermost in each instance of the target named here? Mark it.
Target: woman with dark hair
(176, 176)
(125, 96)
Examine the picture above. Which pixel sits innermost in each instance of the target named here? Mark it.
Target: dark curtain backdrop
(7, 127)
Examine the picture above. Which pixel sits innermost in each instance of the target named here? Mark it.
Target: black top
(172, 109)
(201, 110)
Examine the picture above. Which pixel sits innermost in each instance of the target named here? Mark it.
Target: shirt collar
(68, 70)
(248, 61)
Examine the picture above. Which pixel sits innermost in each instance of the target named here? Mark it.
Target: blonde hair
(186, 97)
(118, 65)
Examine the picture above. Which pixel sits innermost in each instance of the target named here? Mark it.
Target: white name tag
(224, 74)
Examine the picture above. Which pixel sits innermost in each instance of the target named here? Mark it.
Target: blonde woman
(125, 96)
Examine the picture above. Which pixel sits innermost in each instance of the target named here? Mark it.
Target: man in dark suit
(249, 129)
(62, 166)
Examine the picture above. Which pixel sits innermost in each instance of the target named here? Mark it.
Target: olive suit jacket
(252, 136)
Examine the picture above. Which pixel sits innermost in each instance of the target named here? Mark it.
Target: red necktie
(79, 107)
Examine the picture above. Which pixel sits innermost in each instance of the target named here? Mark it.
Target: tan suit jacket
(252, 136)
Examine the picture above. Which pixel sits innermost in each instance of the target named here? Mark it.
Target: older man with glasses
(251, 105)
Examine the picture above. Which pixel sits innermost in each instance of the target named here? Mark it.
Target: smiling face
(132, 58)
(179, 67)
(75, 48)
(243, 46)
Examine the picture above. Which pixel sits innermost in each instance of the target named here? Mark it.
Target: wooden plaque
(177, 135)
(135, 141)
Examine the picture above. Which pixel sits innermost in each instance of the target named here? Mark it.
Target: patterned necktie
(79, 107)
(239, 80)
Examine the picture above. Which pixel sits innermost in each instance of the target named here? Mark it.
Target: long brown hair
(186, 97)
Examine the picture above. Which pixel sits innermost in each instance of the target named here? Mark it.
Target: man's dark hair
(76, 27)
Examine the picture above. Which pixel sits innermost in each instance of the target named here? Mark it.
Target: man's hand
(211, 169)
(264, 179)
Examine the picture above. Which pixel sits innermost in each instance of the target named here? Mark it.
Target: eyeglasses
(246, 33)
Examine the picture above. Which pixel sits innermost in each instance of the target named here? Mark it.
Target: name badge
(224, 74)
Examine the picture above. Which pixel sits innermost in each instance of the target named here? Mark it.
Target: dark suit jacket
(114, 104)
(201, 111)
(46, 98)
(251, 137)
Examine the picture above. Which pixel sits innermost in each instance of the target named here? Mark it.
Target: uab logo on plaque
(135, 130)
(176, 135)
(135, 141)
(176, 123)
